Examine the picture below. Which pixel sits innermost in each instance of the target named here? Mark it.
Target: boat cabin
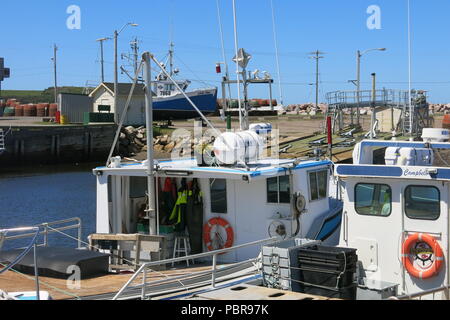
(268, 198)
(396, 214)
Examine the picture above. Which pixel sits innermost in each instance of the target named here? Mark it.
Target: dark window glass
(138, 187)
(272, 190)
(218, 195)
(284, 189)
(373, 199)
(322, 181)
(422, 202)
(313, 186)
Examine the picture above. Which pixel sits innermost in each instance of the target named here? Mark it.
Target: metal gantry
(340, 102)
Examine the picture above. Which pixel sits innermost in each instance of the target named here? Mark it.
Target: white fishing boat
(395, 214)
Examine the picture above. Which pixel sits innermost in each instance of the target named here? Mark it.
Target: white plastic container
(261, 128)
(240, 147)
(435, 135)
(395, 156)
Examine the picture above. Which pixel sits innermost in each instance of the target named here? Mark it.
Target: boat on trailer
(170, 103)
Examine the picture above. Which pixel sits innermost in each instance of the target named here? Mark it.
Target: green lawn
(37, 96)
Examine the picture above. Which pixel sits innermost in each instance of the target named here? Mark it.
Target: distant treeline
(35, 96)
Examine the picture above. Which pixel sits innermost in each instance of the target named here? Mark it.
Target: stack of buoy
(29, 110)
(52, 110)
(254, 103)
(11, 102)
(266, 102)
(446, 121)
(18, 110)
(42, 109)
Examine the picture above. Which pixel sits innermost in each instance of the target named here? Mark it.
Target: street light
(359, 54)
(116, 68)
(101, 57)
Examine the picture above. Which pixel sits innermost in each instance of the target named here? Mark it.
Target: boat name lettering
(415, 173)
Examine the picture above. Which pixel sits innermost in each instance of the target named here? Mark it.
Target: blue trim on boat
(394, 172)
(222, 169)
(300, 166)
(330, 225)
(358, 170)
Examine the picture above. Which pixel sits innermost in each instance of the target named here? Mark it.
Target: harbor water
(33, 195)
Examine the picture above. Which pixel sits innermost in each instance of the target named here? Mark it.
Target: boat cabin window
(278, 190)
(373, 199)
(318, 185)
(218, 190)
(422, 202)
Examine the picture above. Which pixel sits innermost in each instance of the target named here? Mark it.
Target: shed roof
(123, 88)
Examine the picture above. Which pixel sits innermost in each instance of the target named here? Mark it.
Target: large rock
(138, 142)
(158, 148)
(169, 147)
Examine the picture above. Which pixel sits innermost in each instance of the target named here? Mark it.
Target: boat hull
(178, 107)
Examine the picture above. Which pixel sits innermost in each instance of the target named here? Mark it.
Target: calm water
(31, 196)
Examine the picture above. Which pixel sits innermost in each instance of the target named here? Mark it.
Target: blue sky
(337, 28)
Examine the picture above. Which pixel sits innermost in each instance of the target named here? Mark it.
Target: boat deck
(108, 284)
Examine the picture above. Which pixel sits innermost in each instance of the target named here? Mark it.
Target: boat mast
(153, 228)
(171, 58)
(411, 118)
(242, 117)
(276, 53)
(224, 57)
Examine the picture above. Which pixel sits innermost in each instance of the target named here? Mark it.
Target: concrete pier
(56, 144)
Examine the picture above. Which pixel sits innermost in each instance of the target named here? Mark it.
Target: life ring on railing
(207, 233)
(422, 256)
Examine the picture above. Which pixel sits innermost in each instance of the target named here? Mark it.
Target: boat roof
(394, 172)
(190, 168)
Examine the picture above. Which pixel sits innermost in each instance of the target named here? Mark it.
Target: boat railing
(204, 89)
(143, 268)
(48, 228)
(419, 295)
(34, 232)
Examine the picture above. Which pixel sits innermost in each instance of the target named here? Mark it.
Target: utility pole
(102, 61)
(135, 47)
(317, 57)
(55, 49)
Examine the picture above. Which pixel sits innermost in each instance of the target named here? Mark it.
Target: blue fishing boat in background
(170, 103)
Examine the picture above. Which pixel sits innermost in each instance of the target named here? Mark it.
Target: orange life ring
(207, 233)
(420, 238)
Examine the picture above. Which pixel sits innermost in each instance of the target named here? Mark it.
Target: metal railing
(214, 254)
(384, 96)
(398, 98)
(33, 244)
(422, 293)
(47, 228)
